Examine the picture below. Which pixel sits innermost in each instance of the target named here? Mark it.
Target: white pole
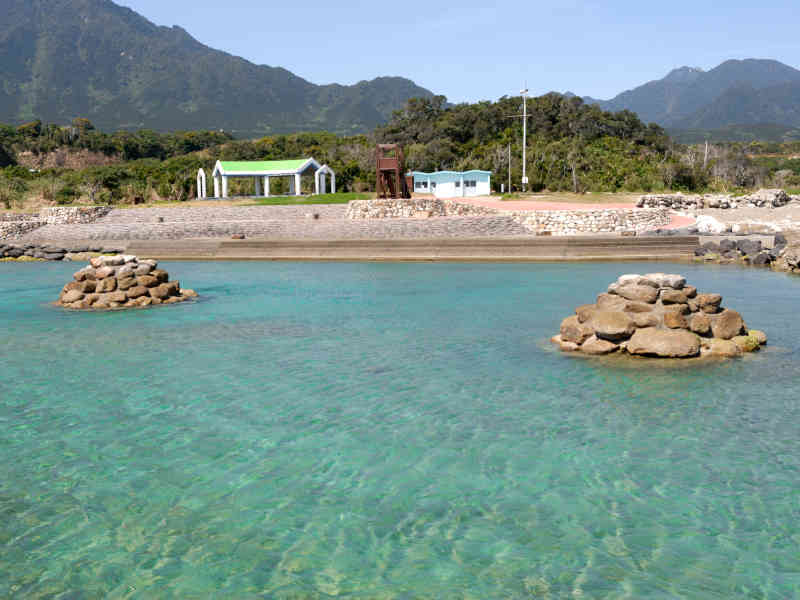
(297, 188)
(524, 135)
(224, 186)
(266, 186)
(333, 182)
(216, 186)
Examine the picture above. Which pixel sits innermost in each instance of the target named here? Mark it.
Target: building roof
(265, 167)
(448, 175)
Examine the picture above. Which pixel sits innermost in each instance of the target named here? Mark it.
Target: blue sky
(472, 51)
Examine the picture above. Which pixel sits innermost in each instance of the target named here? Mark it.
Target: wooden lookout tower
(391, 180)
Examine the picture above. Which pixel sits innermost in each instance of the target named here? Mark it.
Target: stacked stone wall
(759, 199)
(68, 215)
(586, 222)
(387, 208)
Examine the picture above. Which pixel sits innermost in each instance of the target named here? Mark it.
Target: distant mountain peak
(684, 75)
(738, 92)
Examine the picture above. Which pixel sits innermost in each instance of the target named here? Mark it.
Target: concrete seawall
(484, 249)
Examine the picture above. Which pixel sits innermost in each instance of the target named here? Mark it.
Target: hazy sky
(482, 50)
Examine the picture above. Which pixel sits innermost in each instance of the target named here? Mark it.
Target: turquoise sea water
(389, 431)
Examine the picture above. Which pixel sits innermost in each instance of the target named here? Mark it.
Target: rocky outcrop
(121, 281)
(659, 316)
(24, 252)
(744, 250)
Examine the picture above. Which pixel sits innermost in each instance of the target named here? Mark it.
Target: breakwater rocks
(659, 316)
(24, 252)
(745, 251)
(760, 199)
(121, 281)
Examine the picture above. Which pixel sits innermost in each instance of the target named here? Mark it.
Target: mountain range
(61, 59)
(736, 93)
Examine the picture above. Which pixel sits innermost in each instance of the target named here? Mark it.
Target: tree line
(571, 147)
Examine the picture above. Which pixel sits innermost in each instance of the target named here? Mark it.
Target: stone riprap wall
(16, 225)
(586, 222)
(388, 208)
(68, 215)
(13, 229)
(759, 199)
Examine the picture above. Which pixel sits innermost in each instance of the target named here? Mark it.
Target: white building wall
(447, 189)
(482, 188)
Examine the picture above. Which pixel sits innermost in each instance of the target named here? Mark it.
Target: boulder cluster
(657, 315)
(49, 252)
(745, 250)
(121, 281)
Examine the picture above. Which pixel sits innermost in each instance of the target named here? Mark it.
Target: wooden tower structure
(391, 181)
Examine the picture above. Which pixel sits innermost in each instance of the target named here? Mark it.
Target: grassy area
(338, 198)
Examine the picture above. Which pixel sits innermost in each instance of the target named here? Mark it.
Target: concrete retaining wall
(498, 249)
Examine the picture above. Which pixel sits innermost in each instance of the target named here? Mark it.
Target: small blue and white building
(453, 184)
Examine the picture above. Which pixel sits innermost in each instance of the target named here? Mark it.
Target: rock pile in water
(657, 315)
(121, 281)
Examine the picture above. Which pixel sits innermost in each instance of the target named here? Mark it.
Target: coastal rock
(639, 293)
(669, 326)
(727, 325)
(700, 323)
(746, 343)
(573, 331)
(672, 296)
(597, 347)
(611, 325)
(104, 272)
(664, 343)
(111, 282)
(723, 348)
(71, 296)
(675, 320)
(665, 280)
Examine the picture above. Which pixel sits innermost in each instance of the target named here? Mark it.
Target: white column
(333, 182)
(266, 186)
(322, 186)
(291, 186)
(216, 186)
(224, 186)
(297, 188)
(258, 186)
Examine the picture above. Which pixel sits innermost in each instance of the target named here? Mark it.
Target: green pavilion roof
(263, 165)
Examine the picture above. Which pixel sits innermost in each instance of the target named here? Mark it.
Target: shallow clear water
(389, 431)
